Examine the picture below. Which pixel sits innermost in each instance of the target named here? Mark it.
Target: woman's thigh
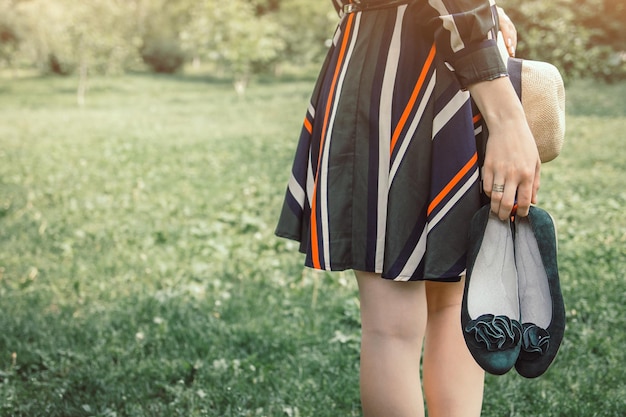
(396, 309)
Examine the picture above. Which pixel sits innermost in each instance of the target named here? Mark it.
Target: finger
(487, 176)
(497, 193)
(536, 183)
(495, 203)
(507, 201)
(510, 37)
(524, 197)
(509, 33)
(511, 47)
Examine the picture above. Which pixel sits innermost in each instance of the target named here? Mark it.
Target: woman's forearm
(511, 158)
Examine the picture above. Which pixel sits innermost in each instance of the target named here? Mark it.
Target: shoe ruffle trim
(495, 332)
(535, 340)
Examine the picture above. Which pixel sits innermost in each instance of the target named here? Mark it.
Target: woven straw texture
(543, 99)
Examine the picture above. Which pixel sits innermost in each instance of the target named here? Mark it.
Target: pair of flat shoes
(512, 312)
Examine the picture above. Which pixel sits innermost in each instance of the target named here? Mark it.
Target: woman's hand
(509, 33)
(512, 166)
(511, 171)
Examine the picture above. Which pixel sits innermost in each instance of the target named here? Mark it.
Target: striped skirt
(385, 177)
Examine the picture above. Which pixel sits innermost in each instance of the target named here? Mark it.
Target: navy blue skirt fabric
(386, 171)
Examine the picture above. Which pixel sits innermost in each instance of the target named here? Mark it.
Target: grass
(139, 275)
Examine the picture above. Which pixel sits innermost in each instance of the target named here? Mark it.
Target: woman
(386, 180)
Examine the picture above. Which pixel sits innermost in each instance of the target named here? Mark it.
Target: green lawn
(139, 275)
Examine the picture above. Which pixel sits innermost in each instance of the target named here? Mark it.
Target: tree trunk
(240, 84)
(82, 83)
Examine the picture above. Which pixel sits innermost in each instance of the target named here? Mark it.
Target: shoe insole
(534, 292)
(493, 283)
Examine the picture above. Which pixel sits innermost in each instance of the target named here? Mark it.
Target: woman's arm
(466, 40)
(511, 157)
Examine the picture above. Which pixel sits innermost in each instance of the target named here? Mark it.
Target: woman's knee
(444, 296)
(393, 310)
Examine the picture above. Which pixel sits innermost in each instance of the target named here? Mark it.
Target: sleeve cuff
(481, 64)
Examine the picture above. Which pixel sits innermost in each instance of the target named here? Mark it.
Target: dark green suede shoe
(541, 303)
(490, 308)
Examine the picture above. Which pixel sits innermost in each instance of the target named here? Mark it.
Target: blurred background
(584, 38)
(145, 147)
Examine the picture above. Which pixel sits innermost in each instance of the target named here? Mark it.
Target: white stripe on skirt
(384, 136)
(326, 151)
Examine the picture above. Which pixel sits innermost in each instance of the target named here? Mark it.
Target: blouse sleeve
(466, 39)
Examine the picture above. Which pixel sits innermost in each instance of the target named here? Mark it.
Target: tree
(230, 34)
(159, 24)
(10, 36)
(307, 26)
(584, 38)
(69, 37)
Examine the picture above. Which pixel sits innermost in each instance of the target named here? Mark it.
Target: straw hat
(540, 88)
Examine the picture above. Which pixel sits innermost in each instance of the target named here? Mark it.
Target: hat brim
(542, 93)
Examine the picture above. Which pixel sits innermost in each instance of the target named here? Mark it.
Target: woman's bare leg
(393, 319)
(453, 382)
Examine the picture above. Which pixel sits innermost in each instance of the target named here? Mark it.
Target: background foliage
(241, 38)
(583, 38)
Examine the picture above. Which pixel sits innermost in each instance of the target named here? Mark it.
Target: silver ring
(497, 188)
